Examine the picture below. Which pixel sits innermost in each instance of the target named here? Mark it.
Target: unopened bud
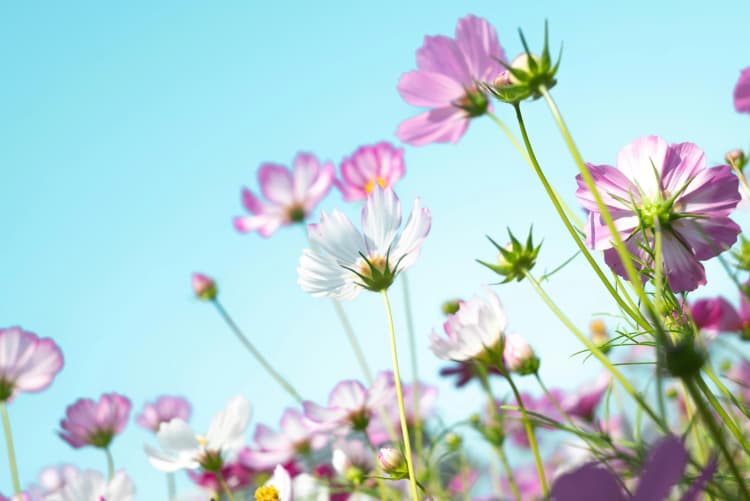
(736, 157)
(392, 461)
(502, 80)
(451, 307)
(204, 287)
(518, 356)
(521, 62)
(453, 441)
(599, 335)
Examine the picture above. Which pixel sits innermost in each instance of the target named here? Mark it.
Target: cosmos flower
(668, 185)
(445, 81)
(344, 261)
(379, 432)
(163, 410)
(713, 316)
(183, 449)
(92, 486)
(518, 356)
(27, 363)
(464, 372)
(278, 487)
(298, 435)
(380, 164)
(349, 455)
(742, 92)
(583, 402)
(236, 473)
(93, 423)
(52, 479)
(474, 332)
(290, 195)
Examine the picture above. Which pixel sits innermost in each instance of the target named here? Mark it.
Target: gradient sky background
(128, 129)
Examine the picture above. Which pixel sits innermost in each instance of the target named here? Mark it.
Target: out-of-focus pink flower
(290, 195)
(465, 372)
(462, 482)
(445, 81)
(518, 356)
(379, 432)
(351, 453)
(52, 479)
(380, 164)
(663, 185)
(298, 435)
(538, 405)
(740, 374)
(583, 402)
(742, 92)
(93, 423)
(27, 363)
(714, 316)
(204, 287)
(351, 406)
(237, 474)
(527, 480)
(163, 410)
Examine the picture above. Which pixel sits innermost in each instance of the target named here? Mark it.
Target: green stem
(492, 417)
(573, 233)
(224, 485)
(255, 353)
(714, 429)
(171, 487)
(510, 135)
(596, 352)
(110, 463)
(414, 365)
(400, 397)
(11, 450)
(352, 338)
(530, 435)
(726, 418)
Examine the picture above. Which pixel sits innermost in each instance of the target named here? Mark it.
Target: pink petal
(432, 90)
(477, 40)
(440, 54)
(276, 183)
(441, 125)
(742, 92)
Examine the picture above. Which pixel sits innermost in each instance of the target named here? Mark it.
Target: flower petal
(477, 40)
(381, 220)
(429, 89)
(441, 125)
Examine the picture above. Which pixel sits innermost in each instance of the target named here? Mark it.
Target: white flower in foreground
(278, 487)
(474, 332)
(183, 449)
(91, 485)
(343, 261)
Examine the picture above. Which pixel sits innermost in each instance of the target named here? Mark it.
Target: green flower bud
(515, 259)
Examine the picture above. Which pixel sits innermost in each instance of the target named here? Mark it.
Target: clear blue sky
(128, 129)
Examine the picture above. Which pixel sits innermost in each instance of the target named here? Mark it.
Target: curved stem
(254, 352)
(11, 450)
(635, 314)
(224, 485)
(171, 487)
(597, 353)
(510, 135)
(353, 341)
(110, 463)
(414, 365)
(400, 397)
(530, 435)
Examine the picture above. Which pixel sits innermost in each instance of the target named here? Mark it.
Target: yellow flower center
(378, 262)
(371, 184)
(267, 493)
(201, 440)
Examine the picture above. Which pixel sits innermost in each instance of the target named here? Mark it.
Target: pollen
(267, 493)
(201, 440)
(377, 262)
(371, 184)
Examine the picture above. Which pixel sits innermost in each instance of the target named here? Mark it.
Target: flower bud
(204, 287)
(518, 355)
(451, 307)
(599, 335)
(524, 62)
(736, 158)
(502, 80)
(392, 461)
(515, 259)
(453, 441)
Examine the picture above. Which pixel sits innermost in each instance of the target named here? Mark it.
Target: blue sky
(128, 130)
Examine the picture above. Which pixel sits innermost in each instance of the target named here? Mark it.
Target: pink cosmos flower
(668, 184)
(298, 435)
(163, 410)
(351, 406)
(740, 375)
(95, 423)
(742, 92)
(583, 402)
(462, 482)
(465, 372)
(380, 164)
(713, 316)
(445, 81)
(27, 363)
(290, 195)
(378, 431)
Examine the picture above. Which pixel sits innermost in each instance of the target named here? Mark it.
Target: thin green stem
(11, 450)
(530, 435)
(254, 352)
(414, 364)
(696, 432)
(714, 429)
(510, 135)
(110, 463)
(596, 352)
(224, 485)
(353, 341)
(400, 396)
(635, 314)
(726, 418)
(171, 487)
(659, 290)
(508, 472)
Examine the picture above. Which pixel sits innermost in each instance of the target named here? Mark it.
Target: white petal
(168, 463)
(338, 236)
(322, 276)
(282, 482)
(381, 220)
(120, 488)
(227, 429)
(410, 241)
(177, 437)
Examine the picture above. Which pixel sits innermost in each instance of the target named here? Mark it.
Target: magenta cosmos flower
(93, 423)
(742, 92)
(669, 184)
(445, 81)
(163, 410)
(27, 363)
(290, 195)
(379, 164)
(298, 435)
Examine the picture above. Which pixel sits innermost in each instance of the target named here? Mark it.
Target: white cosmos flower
(474, 332)
(92, 486)
(278, 487)
(183, 449)
(343, 260)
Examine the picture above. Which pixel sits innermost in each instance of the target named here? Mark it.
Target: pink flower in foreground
(669, 186)
(290, 195)
(27, 363)
(95, 423)
(742, 92)
(298, 435)
(380, 164)
(445, 81)
(163, 410)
